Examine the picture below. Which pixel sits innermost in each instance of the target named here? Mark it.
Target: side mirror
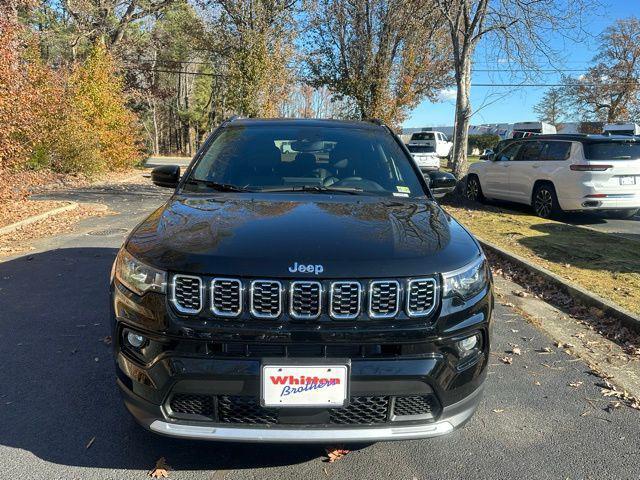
(166, 176)
(486, 154)
(441, 183)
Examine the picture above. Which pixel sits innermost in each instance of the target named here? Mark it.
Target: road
(62, 417)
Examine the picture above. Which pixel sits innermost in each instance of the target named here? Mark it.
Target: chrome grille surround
(383, 302)
(226, 297)
(345, 299)
(265, 300)
(305, 300)
(186, 293)
(422, 296)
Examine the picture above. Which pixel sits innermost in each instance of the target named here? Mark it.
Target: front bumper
(452, 417)
(224, 361)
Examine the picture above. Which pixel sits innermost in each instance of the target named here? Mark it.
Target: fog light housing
(135, 340)
(467, 345)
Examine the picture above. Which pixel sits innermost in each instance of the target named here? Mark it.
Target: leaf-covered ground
(602, 263)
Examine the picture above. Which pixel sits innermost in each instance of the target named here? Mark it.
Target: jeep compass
(301, 285)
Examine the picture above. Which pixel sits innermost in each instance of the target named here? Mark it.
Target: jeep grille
(384, 299)
(226, 297)
(186, 293)
(421, 297)
(305, 299)
(266, 298)
(344, 301)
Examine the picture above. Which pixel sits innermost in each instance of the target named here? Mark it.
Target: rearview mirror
(166, 176)
(441, 183)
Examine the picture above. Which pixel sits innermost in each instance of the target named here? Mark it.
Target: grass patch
(601, 263)
(470, 159)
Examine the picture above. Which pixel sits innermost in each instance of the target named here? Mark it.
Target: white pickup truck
(436, 140)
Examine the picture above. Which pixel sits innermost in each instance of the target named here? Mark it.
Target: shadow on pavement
(582, 248)
(57, 381)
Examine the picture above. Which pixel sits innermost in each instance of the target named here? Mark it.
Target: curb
(41, 216)
(628, 318)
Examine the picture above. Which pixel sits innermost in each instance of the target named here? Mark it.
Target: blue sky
(508, 104)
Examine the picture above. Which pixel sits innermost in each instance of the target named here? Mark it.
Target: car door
(496, 178)
(523, 171)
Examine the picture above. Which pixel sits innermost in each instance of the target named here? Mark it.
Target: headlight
(137, 276)
(467, 281)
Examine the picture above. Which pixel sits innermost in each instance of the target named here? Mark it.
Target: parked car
(436, 140)
(621, 129)
(555, 173)
(425, 156)
(527, 129)
(272, 300)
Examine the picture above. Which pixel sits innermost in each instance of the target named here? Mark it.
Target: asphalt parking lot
(62, 417)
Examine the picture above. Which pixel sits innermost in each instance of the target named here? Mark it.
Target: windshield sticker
(402, 189)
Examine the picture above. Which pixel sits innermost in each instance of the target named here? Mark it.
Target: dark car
(301, 285)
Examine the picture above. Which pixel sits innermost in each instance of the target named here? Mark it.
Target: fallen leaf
(544, 350)
(497, 410)
(89, 443)
(335, 453)
(507, 360)
(514, 331)
(537, 383)
(516, 351)
(161, 470)
(575, 384)
(107, 340)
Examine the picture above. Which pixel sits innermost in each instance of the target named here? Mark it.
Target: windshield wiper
(314, 188)
(221, 187)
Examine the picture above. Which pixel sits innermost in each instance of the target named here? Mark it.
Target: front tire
(474, 190)
(545, 201)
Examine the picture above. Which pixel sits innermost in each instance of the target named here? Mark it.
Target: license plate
(628, 180)
(304, 386)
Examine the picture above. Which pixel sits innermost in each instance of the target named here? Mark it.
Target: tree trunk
(463, 116)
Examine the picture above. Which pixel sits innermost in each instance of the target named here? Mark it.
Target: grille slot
(186, 293)
(362, 410)
(190, 404)
(423, 405)
(306, 300)
(345, 300)
(384, 299)
(421, 297)
(239, 409)
(266, 298)
(226, 297)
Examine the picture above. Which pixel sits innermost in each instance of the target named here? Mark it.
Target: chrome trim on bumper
(307, 435)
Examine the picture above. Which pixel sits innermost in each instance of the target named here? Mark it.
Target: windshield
(305, 158)
(612, 150)
(420, 149)
(423, 136)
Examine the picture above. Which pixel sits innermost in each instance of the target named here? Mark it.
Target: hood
(264, 235)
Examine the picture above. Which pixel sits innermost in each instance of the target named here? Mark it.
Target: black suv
(301, 285)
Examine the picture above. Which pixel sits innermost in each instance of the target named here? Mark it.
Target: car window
(267, 156)
(508, 153)
(530, 151)
(622, 150)
(423, 136)
(556, 151)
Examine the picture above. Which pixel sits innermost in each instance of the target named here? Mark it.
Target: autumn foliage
(71, 120)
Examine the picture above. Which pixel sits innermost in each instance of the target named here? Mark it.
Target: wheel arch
(536, 184)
